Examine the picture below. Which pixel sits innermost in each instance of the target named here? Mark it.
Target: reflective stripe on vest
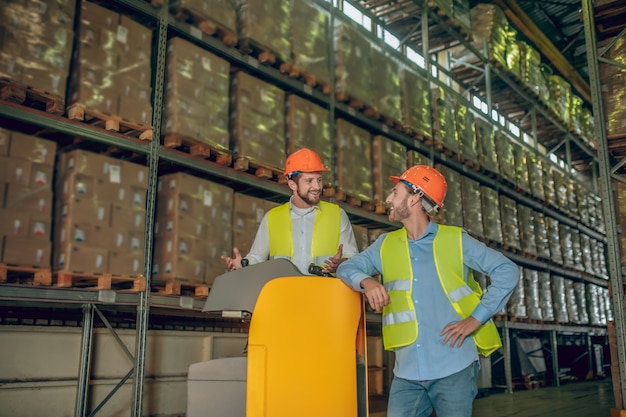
(324, 241)
(399, 319)
(464, 297)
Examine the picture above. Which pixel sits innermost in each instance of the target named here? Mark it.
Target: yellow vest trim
(326, 230)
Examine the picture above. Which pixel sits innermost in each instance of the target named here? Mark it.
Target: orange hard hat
(426, 181)
(303, 160)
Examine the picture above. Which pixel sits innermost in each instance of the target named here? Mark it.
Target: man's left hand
(456, 333)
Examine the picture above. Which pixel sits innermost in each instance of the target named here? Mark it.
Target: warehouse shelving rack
(607, 174)
(157, 156)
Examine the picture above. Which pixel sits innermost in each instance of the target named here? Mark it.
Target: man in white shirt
(304, 230)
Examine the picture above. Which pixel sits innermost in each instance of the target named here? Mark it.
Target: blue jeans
(451, 396)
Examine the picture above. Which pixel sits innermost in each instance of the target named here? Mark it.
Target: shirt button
(418, 345)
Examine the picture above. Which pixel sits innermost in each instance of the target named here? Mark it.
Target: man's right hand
(234, 262)
(376, 294)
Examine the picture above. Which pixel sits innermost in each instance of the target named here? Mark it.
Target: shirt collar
(302, 211)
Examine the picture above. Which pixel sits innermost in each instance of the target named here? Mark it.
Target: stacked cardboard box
(352, 62)
(466, 128)
(530, 73)
(354, 169)
(388, 158)
(492, 223)
(545, 296)
(308, 125)
(526, 221)
(100, 214)
(416, 158)
(247, 215)
(265, 25)
(257, 121)
(541, 236)
(27, 168)
(111, 69)
(510, 223)
(520, 155)
(559, 298)
(36, 40)
(385, 82)
(444, 122)
(196, 95)
(560, 92)
(533, 296)
(535, 175)
(472, 207)
(504, 149)
(554, 241)
(415, 93)
(192, 229)
(310, 39)
(220, 12)
(613, 79)
(485, 139)
(452, 211)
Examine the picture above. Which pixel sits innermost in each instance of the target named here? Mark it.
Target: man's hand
(457, 332)
(376, 294)
(333, 263)
(234, 262)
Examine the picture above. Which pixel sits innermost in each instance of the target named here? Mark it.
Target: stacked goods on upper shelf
(567, 245)
(36, 45)
(535, 175)
(504, 149)
(445, 134)
(352, 63)
(388, 158)
(620, 214)
(353, 169)
(492, 223)
(531, 73)
(541, 236)
(196, 96)
(193, 228)
(111, 71)
(613, 79)
(545, 296)
(100, 214)
(486, 144)
(385, 84)
(560, 97)
(452, 210)
(466, 128)
(25, 199)
(526, 221)
(215, 16)
(517, 303)
(472, 208)
(416, 114)
(264, 27)
(247, 215)
(532, 294)
(560, 300)
(257, 122)
(308, 126)
(549, 186)
(520, 156)
(416, 158)
(311, 42)
(554, 240)
(510, 223)
(458, 11)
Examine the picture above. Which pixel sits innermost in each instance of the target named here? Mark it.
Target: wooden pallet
(353, 201)
(352, 102)
(20, 274)
(98, 281)
(111, 122)
(195, 147)
(206, 25)
(262, 53)
(175, 287)
(259, 169)
(309, 79)
(31, 97)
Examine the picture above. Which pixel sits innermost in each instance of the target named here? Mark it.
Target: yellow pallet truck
(306, 353)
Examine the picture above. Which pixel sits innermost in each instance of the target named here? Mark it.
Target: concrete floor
(574, 399)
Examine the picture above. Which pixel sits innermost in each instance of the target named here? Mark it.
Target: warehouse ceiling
(558, 21)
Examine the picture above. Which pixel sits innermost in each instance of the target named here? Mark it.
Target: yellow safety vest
(400, 327)
(324, 241)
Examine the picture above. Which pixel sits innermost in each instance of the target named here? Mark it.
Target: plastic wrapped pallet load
(385, 83)
(452, 211)
(388, 158)
(352, 63)
(354, 169)
(264, 26)
(416, 115)
(492, 224)
(472, 208)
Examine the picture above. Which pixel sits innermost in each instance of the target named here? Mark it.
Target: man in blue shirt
(435, 316)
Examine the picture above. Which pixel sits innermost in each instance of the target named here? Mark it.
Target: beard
(401, 211)
(310, 199)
